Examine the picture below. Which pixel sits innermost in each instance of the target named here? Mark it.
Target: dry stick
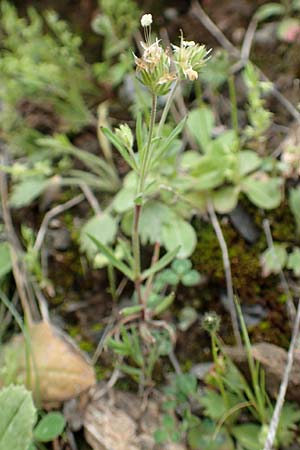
(91, 198)
(248, 39)
(227, 269)
(14, 245)
(284, 384)
(50, 215)
(201, 15)
(290, 304)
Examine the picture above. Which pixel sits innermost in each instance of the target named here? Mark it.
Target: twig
(248, 39)
(174, 362)
(198, 12)
(91, 198)
(290, 304)
(14, 245)
(284, 384)
(227, 269)
(201, 15)
(50, 215)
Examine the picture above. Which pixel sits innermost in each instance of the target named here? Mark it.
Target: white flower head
(188, 43)
(146, 20)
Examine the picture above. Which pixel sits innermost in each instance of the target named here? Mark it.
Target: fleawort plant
(160, 70)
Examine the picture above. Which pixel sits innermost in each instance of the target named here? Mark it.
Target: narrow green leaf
(167, 142)
(163, 262)
(5, 259)
(139, 133)
(131, 310)
(113, 260)
(164, 304)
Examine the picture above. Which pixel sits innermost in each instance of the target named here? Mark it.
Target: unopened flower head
(211, 322)
(146, 20)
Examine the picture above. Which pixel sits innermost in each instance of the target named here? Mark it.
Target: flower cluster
(159, 67)
(189, 58)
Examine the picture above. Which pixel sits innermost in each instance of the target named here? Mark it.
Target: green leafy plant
(148, 219)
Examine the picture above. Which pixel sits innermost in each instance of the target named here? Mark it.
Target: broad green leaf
(208, 174)
(49, 427)
(212, 169)
(181, 266)
(124, 200)
(248, 161)
(214, 405)
(200, 125)
(287, 427)
(263, 193)
(161, 263)
(191, 278)
(248, 436)
(154, 215)
(112, 258)
(274, 259)
(225, 199)
(268, 10)
(179, 233)
(293, 262)
(202, 437)
(294, 201)
(103, 227)
(27, 191)
(5, 259)
(17, 418)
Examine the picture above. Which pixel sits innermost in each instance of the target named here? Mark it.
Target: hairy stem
(147, 154)
(167, 107)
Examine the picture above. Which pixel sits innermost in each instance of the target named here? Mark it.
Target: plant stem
(136, 242)
(233, 101)
(146, 155)
(219, 380)
(253, 366)
(167, 107)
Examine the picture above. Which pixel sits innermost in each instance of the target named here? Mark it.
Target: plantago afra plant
(160, 70)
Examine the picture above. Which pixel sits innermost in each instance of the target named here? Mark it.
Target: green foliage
(17, 418)
(49, 427)
(141, 350)
(117, 23)
(103, 227)
(287, 27)
(35, 65)
(294, 200)
(274, 259)
(5, 259)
